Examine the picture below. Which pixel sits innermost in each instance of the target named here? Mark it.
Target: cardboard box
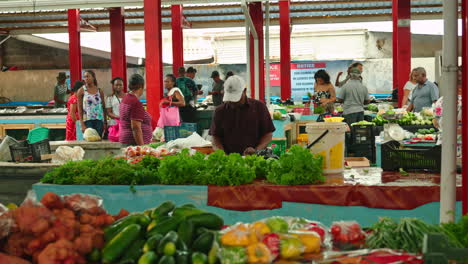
(357, 162)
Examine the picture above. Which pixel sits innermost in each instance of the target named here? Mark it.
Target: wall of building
(38, 85)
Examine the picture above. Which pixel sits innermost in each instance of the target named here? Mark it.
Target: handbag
(168, 116)
(114, 131)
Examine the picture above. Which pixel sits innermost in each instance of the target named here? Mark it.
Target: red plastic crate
(302, 110)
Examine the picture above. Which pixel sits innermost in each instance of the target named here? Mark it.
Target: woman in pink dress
(72, 116)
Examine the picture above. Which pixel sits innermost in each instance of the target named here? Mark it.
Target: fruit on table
(238, 236)
(260, 229)
(311, 242)
(277, 225)
(277, 115)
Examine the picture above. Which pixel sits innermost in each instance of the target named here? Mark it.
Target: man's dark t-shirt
(241, 127)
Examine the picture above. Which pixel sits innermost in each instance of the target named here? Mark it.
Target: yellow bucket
(331, 146)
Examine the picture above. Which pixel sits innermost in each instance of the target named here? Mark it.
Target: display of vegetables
(298, 166)
(406, 234)
(319, 110)
(271, 239)
(347, 235)
(363, 123)
(372, 107)
(56, 230)
(295, 167)
(166, 235)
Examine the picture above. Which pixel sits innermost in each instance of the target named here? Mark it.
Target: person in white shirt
(409, 87)
(113, 101)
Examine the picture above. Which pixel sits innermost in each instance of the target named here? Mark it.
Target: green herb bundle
(297, 167)
(407, 234)
(458, 230)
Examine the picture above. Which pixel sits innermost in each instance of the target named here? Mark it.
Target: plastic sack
(114, 131)
(91, 135)
(84, 203)
(347, 235)
(64, 154)
(5, 154)
(168, 116)
(193, 140)
(158, 134)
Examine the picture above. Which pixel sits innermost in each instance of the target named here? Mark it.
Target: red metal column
(153, 61)
(401, 45)
(117, 33)
(74, 49)
(465, 106)
(285, 46)
(177, 38)
(256, 13)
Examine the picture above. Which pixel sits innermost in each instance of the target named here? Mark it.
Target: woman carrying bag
(169, 107)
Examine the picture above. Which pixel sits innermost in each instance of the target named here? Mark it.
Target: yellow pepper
(238, 236)
(312, 243)
(260, 229)
(258, 253)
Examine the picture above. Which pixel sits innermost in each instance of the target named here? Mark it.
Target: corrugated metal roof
(220, 15)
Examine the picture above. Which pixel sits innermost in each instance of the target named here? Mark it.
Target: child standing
(72, 116)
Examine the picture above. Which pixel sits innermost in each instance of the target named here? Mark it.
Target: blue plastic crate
(182, 131)
(187, 129)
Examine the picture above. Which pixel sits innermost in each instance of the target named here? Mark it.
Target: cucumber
(207, 220)
(184, 212)
(185, 232)
(204, 243)
(134, 252)
(164, 227)
(200, 231)
(189, 205)
(166, 260)
(112, 230)
(148, 258)
(115, 248)
(163, 209)
(152, 243)
(199, 258)
(167, 246)
(180, 245)
(182, 257)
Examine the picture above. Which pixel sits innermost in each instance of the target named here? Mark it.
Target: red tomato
(355, 227)
(319, 231)
(335, 230)
(353, 237)
(131, 153)
(342, 237)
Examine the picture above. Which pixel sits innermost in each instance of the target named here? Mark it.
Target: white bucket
(331, 146)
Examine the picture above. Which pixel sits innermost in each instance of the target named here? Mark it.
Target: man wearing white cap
(240, 125)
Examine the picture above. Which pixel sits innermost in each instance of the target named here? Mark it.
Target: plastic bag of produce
(347, 235)
(91, 135)
(6, 221)
(64, 154)
(83, 203)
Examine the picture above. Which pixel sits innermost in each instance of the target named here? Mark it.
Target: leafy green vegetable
(181, 168)
(458, 230)
(373, 107)
(108, 171)
(296, 167)
(319, 110)
(227, 170)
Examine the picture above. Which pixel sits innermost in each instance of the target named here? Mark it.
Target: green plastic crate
(38, 134)
(437, 250)
(278, 146)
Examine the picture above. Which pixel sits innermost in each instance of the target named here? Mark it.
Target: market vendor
(240, 125)
(425, 94)
(353, 95)
(60, 91)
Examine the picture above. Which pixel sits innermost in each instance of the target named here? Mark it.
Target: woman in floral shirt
(91, 105)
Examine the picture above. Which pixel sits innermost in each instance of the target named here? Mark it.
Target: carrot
(52, 200)
(40, 226)
(86, 218)
(86, 229)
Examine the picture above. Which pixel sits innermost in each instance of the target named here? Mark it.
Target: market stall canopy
(42, 16)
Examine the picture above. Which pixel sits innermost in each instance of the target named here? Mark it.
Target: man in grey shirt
(353, 95)
(424, 94)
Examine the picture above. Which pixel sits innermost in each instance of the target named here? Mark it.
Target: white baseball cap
(233, 88)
